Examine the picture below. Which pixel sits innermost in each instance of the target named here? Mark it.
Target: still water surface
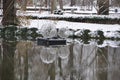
(25, 60)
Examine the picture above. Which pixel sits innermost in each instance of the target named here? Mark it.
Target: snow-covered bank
(109, 30)
(74, 25)
(100, 19)
(69, 13)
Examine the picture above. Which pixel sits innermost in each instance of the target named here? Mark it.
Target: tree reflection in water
(21, 60)
(7, 70)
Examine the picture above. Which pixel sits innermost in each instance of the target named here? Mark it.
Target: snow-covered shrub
(93, 34)
(65, 32)
(85, 34)
(48, 30)
(48, 55)
(112, 35)
(97, 34)
(100, 34)
(8, 32)
(78, 33)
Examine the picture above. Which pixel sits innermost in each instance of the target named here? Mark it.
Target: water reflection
(48, 55)
(7, 60)
(24, 60)
(63, 52)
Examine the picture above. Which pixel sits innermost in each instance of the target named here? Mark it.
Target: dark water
(25, 60)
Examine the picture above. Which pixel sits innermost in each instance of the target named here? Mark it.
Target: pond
(25, 60)
(84, 57)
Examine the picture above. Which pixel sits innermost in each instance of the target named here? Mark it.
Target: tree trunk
(24, 4)
(103, 7)
(73, 2)
(46, 3)
(61, 4)
(53, 5)
(9, 13)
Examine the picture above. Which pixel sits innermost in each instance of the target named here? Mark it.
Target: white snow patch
(74, 25)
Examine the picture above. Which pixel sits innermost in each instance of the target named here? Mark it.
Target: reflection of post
(60, 66)
(26, 66)
(52, 71)
(8, 61)
(71, 61)
(0, 62)
(102, 64)
(22, 48)
(114, 63)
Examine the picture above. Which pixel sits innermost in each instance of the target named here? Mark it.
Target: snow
(48, 30)
(1, 11)
(68, 13)
(108, 29)
(40, 14)
(48, 55)
(74, 25)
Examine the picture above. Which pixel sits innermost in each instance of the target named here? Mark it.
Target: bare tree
(61, 4)
(115, 3)
(53, 5)
(24, 4)
(82, 4)
(46, 1)
(73, 2)
(103, 7)
(9, 13)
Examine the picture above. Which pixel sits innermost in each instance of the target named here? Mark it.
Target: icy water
(25, 60)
